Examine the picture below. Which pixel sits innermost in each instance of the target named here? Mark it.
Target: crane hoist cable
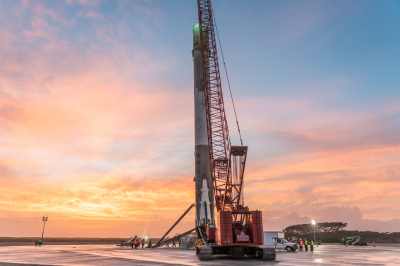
(227, 78)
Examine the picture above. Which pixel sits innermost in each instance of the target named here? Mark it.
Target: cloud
(293, 21)
(344, 214)
(304, 189)
(303, 158)
(122, 204)
(9, 112)
(93, 14)
(96, 127)
(351, 216)
(107, 197)
(85, 2)
(280, 223)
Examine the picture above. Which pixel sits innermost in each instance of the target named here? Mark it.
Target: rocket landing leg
(203, 184)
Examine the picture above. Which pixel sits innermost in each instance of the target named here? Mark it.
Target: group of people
(135, 243)
(304, 242)
(173, 244)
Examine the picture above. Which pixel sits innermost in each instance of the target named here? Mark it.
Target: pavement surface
(113, 255)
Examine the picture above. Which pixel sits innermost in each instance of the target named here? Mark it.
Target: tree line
(334, 232)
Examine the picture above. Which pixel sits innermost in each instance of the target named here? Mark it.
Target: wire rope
(227, 78)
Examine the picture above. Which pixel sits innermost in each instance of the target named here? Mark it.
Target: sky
(96, 113)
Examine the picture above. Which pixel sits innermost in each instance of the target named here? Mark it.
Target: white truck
(274, 239)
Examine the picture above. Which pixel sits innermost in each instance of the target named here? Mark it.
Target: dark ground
(333, 254)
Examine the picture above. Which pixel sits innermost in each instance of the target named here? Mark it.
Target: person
(301, 245)
(179, 243)
(305, 245)
(311, 245)
(142, 243)
(149, 245)
(173, 244)
(135, 243)
(167, 245)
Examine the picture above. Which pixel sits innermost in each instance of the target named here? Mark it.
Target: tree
(304, 229)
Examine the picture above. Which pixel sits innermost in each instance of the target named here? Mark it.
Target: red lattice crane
(238, 231)
(226, 190)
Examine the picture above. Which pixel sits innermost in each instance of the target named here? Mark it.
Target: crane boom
(227, 193)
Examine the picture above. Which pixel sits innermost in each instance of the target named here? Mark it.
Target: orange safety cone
(373, 243)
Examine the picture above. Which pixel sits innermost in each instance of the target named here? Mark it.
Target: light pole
(44, 223)
(314, 223)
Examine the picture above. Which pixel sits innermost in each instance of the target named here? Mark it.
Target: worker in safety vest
(311, 245)
(301, 245)
(142, 243)
(179, 242)
(149, 245)
(135, 243)
(305, 245)
(173, 244)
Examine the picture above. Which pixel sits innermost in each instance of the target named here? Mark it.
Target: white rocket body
(203, 179)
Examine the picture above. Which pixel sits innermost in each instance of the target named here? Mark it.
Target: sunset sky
(96, 113)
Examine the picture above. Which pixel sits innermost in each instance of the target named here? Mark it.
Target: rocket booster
(203, 180)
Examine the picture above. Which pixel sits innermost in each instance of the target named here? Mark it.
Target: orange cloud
(93, 135)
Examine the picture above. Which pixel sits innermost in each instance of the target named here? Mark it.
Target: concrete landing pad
(113, 255)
